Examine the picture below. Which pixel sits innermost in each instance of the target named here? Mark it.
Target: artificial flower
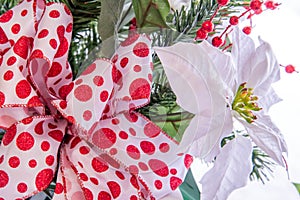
(238, 82)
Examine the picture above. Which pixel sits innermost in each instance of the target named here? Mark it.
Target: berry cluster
(255, 7)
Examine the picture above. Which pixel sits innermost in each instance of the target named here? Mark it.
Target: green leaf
(111, 11)
(189, 188)
(297, 185)
(151, 13)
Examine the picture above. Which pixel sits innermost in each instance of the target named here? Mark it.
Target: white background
(281, 28)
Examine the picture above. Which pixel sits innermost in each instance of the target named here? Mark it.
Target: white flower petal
(267, 136)
(265, 69)
(199, 90)
(243, 49)
(230, 171)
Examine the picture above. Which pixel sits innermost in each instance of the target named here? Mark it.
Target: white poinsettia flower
(220, 88)
(257, 68)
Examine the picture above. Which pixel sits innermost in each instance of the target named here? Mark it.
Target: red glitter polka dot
(21, 47)
(143, 166)
(94, 180)
(69, 27)
(2, 98)
(123, 135)
(104, 138)
(45, 145)
(115, 121)
(8, 75)
(104, 95)
(84, 150)
(104, 195)
(159, 167)
(158, 184)
(24, 13)
(53, 43)
(133, 197)
(56, 135)
(59, 188)
(164, 147)
(83, 93)
(27, 120)
(43, 179)
(151, 130)
(134, 182)
(9, 135)
(38, 129)
(3, 178)
(83, 177)
(132, 132)
(89, 69)
(32, 163)
(175, 182)
(87, 115)
(63, 104)
(15, 29)
(130, 40)
(99, 165)
(124, 62)
(49, 160)
(23, 89)
(63, 48)
(43, 33)
(120, 175)
(114, 188)
(133, 152)
(173, 171)
(75, 142)
(25, 141)
(113, 151)
(11, 60)
(14, 162)
(87, 194)
(6, 16)
(37, 54)
(55, 69)
(54, 14)
(147, 147)
(116, 75)
(188, 160)
(139, 89)
(141, 49)
(133, 169)
(22, 187)
(65, 90)
(98, 80)
(137, 68)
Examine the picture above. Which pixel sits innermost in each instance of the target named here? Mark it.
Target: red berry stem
(215, 13)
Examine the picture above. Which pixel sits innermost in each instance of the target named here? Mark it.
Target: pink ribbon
(106, 149)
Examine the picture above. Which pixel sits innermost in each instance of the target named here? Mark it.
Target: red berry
(208, 26)
(290, 69)
(217, 41)
(234, 20)
(133, 21)
(255, 5)
(201, 34)
(247, 30)
(270, 4)
(223, 2)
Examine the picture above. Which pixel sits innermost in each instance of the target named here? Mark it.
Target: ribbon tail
(29, 146)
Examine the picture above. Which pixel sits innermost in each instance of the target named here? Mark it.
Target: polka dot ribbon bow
(86, 130)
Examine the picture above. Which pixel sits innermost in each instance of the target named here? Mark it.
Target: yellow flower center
(245, 103)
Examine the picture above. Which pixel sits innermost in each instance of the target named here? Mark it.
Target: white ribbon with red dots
(106, 149)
